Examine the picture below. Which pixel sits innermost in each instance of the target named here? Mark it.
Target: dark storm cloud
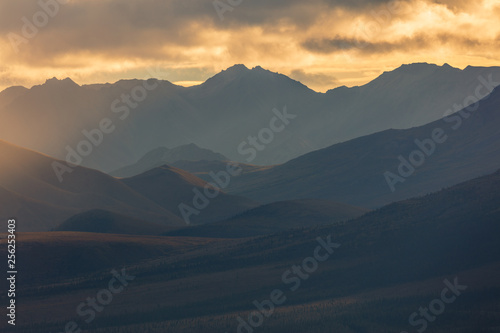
(135, 27)
(89, 38)
(420, 41)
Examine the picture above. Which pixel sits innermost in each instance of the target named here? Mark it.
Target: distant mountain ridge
(42, 202)
(355, 172)
(102, 221)
(170, 187)
(228, 108)
(31, 191)
(163, 155)
(273, 218)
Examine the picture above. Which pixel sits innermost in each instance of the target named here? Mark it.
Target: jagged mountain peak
(55, 82)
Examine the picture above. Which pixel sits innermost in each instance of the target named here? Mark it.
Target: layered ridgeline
(388, 166)
(32, 191)
(273, 218)
(370, 274)
(123, 121)
(192, 198)
(106, 222)
(161, 156)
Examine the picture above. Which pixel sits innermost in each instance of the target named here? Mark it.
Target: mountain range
(388, 166)
(367, 172)
(223, 112)
(273, 218)
(161, 156)
(360, 207)
(31, 191)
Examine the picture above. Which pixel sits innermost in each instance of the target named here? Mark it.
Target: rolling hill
(170, 187)
(32, 191)
(355, 172)
(385, 265)
(273, 218)
(28, 177)
(162, 156)
(102, 221)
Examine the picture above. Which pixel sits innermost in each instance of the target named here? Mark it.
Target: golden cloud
(95, 41)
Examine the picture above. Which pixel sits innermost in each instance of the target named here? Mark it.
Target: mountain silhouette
(160, 156)
(354, 172)
(32, 191)
(224, 111)
(273, 218)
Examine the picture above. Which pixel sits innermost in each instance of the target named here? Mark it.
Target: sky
(322, 43)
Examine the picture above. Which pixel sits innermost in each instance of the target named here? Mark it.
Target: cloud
(407, 44)
(317, 81)
(104, 39)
